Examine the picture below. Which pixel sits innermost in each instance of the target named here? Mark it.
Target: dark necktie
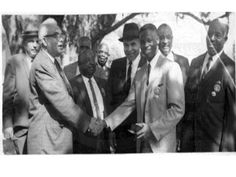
(63, 76)
(148, 72)
(128, 81)
(94, 98)
(207, 67)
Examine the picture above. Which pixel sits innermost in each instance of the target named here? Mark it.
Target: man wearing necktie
(157, 93)
(90, 95)
(209, 124)
(16, 90)
(53, 113)
(120, 79)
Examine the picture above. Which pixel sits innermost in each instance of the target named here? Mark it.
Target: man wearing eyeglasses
(53, 113)
(209, 124)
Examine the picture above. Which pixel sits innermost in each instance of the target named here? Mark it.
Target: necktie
(128, 81)
(94, 98)
(207, 67)
(66, 82)
(148, 73)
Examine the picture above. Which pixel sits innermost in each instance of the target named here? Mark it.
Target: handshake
(96, 126)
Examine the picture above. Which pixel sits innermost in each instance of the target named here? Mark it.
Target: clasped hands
(96, 126)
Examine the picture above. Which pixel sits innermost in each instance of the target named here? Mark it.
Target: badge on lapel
(217, 88)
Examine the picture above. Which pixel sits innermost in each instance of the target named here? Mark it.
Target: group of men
(151, 100)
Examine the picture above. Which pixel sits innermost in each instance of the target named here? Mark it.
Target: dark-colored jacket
(70, 70)
(210, 118)
(116, 82)
(85, 142)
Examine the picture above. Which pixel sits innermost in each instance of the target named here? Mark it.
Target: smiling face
(131, 48)
(31, 46)
(166, 38)
(102, 54)
(216, 37)
(149, 42)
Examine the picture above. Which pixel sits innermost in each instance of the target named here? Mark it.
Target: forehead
(217, 26)
(148, 33)
(103, 48)
(165, 30)
(133, 41)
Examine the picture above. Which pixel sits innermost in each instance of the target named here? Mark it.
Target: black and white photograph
(118, 84)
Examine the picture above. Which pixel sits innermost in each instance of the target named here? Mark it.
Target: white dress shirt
(153, 64)
(135, 64)
(214, 58)
(98, 96)
(170, 56)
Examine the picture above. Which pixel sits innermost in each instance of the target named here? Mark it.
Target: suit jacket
(102, 73)
(70, 70)
(184, 65)
(16, 95)
(53, 112)
(164, 107)
(210, 107)
(85, 142)
(116, 83)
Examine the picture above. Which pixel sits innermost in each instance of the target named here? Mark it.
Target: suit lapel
(83, 95)
(102, 91)
(25, 64)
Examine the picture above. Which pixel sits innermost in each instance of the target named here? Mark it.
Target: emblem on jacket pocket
(217, 86)
(157, 89)
(213, 93)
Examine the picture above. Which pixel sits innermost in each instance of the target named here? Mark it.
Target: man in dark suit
(90, 95)
(165, 45)
(16, 90)
(102, 69)
(121, 76)
(72, 69)
(53, 112)
(209, 124)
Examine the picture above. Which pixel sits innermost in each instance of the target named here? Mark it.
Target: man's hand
(96, 126)
(8, 133)
(144, 132)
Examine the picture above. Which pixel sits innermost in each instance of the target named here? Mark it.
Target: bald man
(102, 70)
(209, 124)
(53, 113)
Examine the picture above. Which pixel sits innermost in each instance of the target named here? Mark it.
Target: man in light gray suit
(53, 113)
(16, 90)
(158, 94)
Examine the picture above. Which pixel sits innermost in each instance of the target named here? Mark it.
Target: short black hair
(148, 26)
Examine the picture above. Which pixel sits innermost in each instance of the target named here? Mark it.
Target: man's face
(31, 46)
(216, 37)
(102, 55)
(131, 48)
(166, 38)
(149, 42)
(87, 65)
(56, 44)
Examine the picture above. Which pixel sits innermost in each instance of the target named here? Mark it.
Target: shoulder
(181, 58)
(118, 62)
(228, 65)
(70, 66)
(16, 58)
(76, 79)
(198, 60)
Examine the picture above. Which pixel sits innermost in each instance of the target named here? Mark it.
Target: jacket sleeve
(51, 85)
(9, 90)
(175, 103)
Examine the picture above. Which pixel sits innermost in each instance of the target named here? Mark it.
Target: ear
(44, 42)
(226, 38)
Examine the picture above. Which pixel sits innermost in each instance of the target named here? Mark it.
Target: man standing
(53, 112)
(102, 70)
(158, 95)
(165, 45)
(16, 91)
(90, 95)
(121, 77)
(209, 124)
(72, 69)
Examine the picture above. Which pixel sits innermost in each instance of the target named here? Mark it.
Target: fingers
(96, 126)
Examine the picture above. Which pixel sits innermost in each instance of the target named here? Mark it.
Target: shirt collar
(135, 61)
(154, 60)
(87, 79)
(170, 56)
